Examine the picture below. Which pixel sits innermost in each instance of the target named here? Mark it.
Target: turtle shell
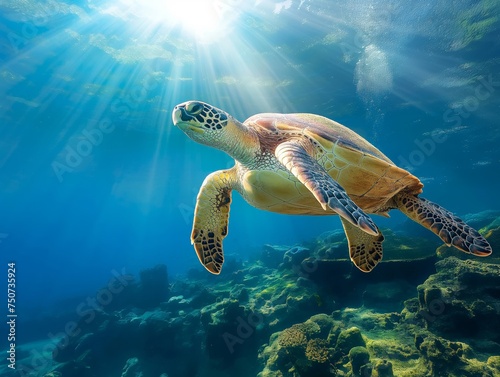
(369, 177)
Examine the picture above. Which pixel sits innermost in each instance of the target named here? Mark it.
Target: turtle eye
(194, 108)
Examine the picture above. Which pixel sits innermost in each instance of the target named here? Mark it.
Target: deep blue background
(400, 75)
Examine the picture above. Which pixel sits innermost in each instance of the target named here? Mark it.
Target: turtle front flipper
(324, 188)
(451, 229)
(211, 219)
(365, 250)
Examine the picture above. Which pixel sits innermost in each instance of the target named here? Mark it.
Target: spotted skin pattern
(211, 220)
(365, 250)
(204, 114)
(448, 227)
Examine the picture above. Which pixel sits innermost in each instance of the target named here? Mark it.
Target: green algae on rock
(494, 362)
(383, 368)
(358, 357)
(454, 359)
(281, 315)
(476, 22)
(462, 299)
(347, 340)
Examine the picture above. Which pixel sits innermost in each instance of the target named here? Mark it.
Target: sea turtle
(305, 164)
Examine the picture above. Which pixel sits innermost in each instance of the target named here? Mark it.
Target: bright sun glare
(204, 19)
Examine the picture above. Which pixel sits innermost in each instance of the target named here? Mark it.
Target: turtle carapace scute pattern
(306, 164)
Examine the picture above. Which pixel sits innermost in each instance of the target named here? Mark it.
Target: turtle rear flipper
(365, 249)
(451, 229)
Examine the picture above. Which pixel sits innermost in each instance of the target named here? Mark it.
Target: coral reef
(292, 338)
(447, 358)
(300, 350)
(462, 300)
(299, 311)
(317, 351)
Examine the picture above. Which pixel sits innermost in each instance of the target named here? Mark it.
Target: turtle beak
(183, 120)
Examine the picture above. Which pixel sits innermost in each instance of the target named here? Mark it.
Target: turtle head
(211, 126)
(202, 122)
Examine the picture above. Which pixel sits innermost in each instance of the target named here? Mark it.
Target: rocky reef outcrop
(461, 301)
(300, 311)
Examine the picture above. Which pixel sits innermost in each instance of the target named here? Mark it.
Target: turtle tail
(451, 229)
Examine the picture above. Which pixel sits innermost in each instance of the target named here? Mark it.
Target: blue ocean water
(73, 210)
(94, 178)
